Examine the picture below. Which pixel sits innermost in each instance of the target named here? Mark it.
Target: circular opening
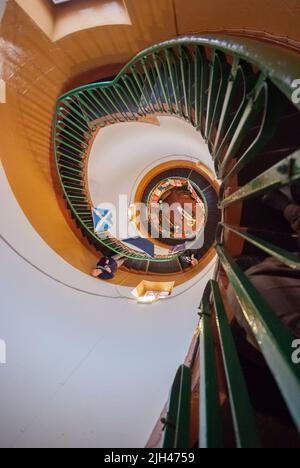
(176, 210)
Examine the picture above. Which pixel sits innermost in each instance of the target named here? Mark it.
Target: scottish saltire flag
(103, 219)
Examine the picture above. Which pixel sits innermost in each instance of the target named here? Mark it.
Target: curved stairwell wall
(123, 152)
(51, 386)
(25, 242)
(79, 368)
(35, 71)
(270, 20)
(82, 358)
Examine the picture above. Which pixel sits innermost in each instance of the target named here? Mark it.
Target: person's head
(96, 272)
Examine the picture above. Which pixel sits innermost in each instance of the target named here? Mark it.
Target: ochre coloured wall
(270, 18)
(36, 69)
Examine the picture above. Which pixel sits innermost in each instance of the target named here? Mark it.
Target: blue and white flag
(103, 219)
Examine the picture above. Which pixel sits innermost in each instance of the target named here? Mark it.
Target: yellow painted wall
(58, 21)
(41, 11)
(92, 13)
(36, 69)
(276, 17)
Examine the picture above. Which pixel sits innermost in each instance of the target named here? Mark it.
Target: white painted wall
(15, 227)
(123, 153)
(82, 371)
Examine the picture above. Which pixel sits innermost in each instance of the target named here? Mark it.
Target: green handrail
(176, 78)
(207, 101)
(210, 430)
(280, 175)
(196, 78)
(280, 65)
(177, 421)
(271, 335)
(290, 259)
(244, 423)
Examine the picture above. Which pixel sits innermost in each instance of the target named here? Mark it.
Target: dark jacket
(185, 258)
(112, 264)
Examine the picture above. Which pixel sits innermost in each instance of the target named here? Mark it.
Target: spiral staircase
(238, 94)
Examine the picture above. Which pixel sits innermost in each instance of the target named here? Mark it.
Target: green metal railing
(225, 87)
(211, 433)
(245, 430)
(177, 421)
(275, 344)
(174, 78)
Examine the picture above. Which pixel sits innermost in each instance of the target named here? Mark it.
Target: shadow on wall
(61, 20)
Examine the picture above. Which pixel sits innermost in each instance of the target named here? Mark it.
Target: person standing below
(190, 258)
(107, 267)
